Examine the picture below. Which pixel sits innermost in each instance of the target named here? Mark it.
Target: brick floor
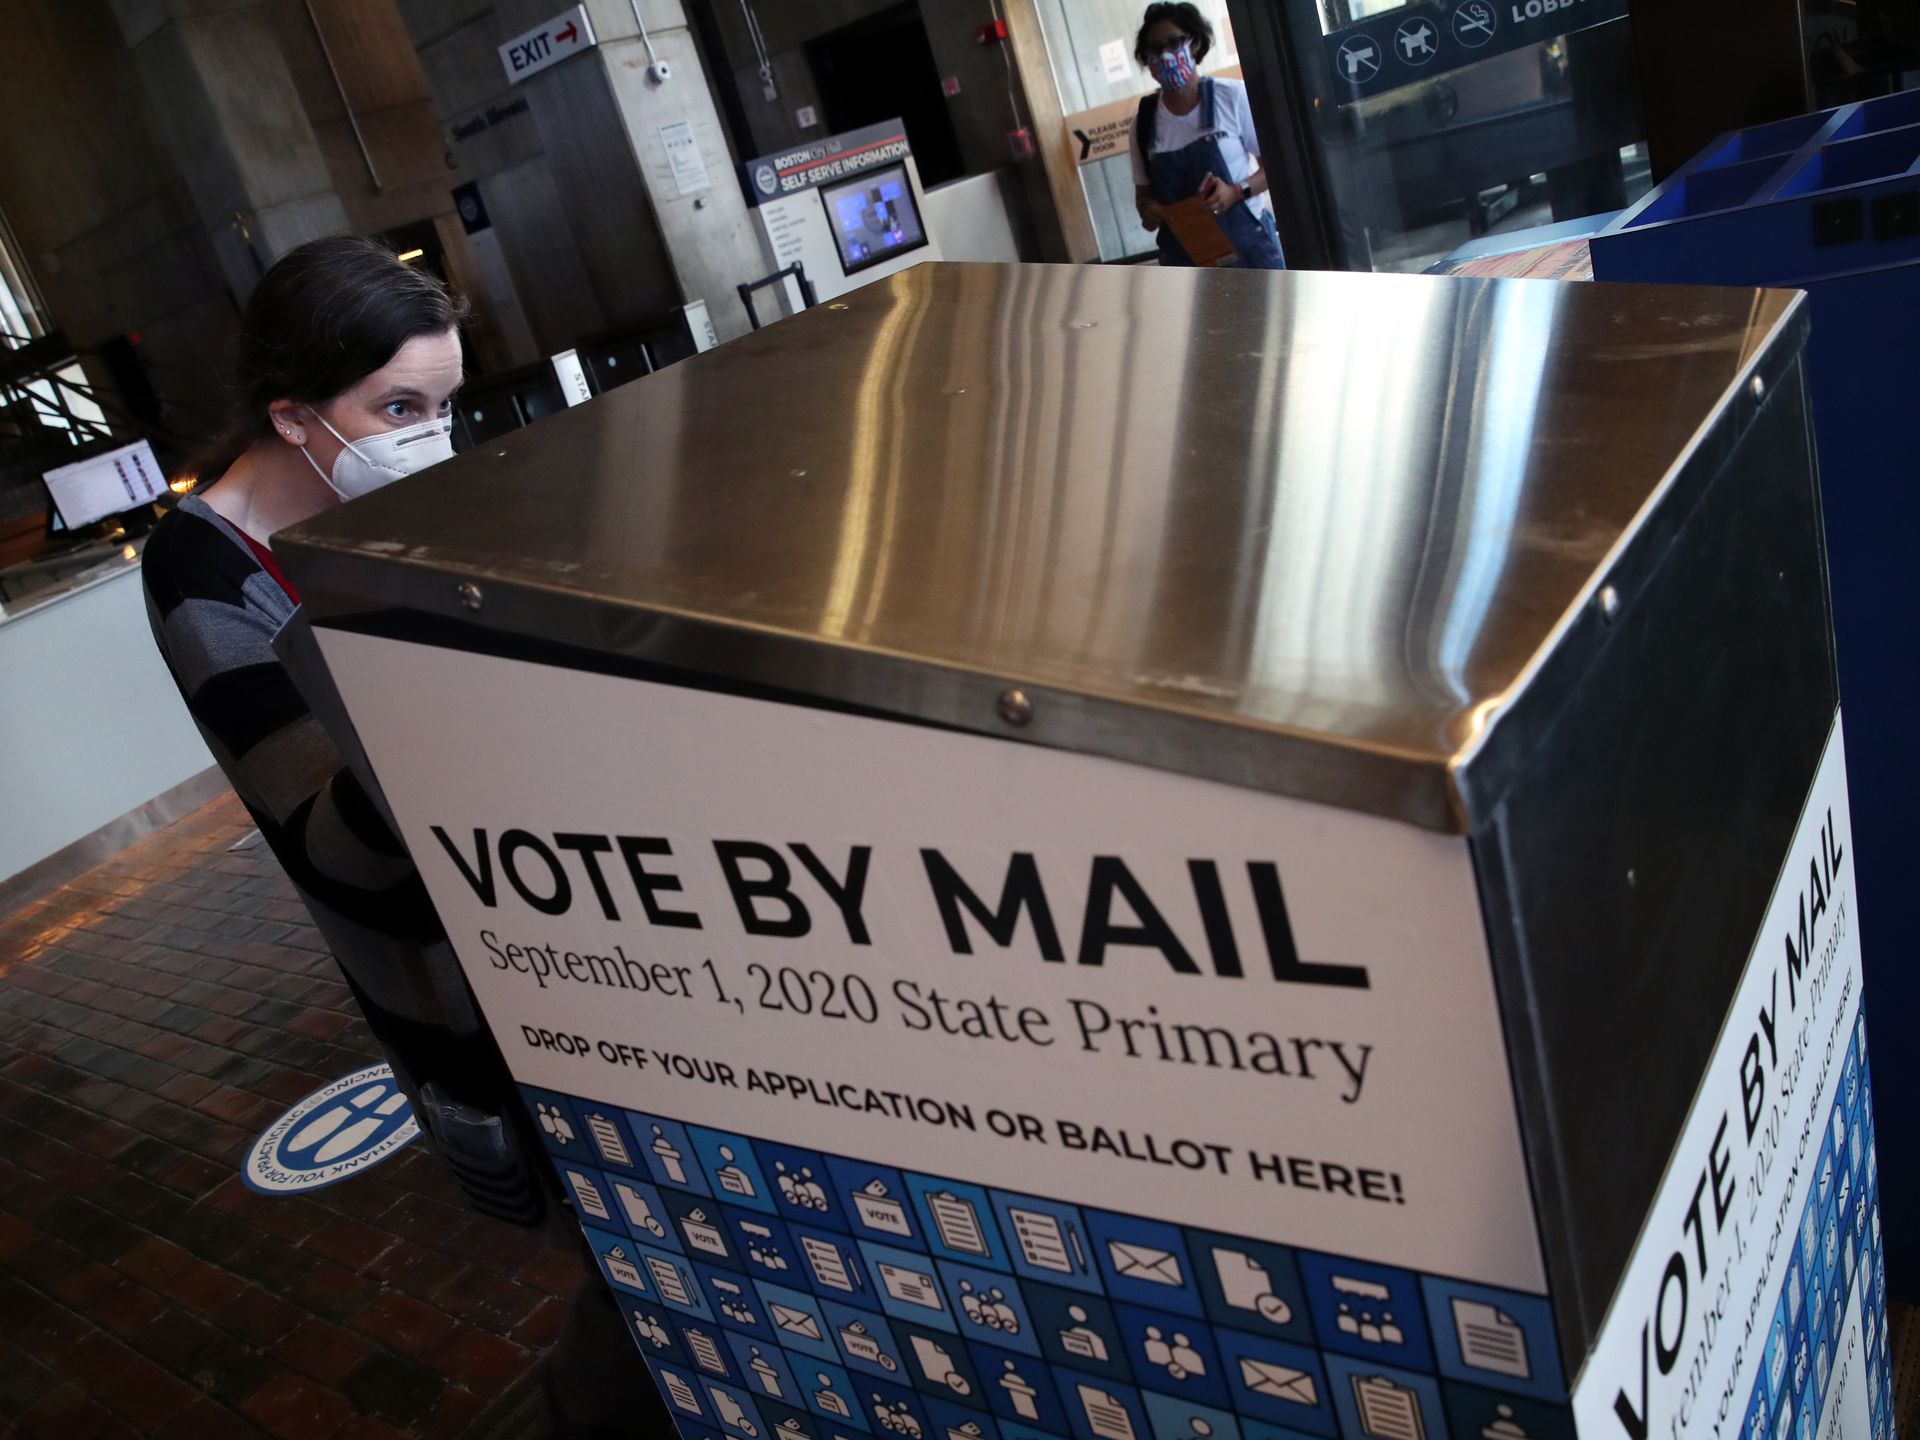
(154, 1016)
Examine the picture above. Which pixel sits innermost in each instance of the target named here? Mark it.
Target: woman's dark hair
(1187, 17)
(327, 314)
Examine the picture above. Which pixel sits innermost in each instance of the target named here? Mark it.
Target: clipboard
(1198, 231)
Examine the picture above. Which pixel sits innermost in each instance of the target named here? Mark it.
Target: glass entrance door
(1433, 123)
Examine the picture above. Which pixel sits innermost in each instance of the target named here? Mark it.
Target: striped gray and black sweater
(215, 611)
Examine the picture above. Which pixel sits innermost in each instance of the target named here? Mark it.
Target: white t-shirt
(1232, 130)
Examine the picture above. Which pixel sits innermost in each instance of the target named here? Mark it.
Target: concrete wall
(991, 102)
(591, 227)
(102, 214)
(982, 113)
(156, 155)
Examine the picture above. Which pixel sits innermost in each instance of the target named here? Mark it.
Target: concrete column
(708, 232)
(229, 114)
(573, 171)
(100, 213)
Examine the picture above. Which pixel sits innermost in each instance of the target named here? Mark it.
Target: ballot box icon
(703, 1234)
(623, 1270)
(881, 1211)
(859, 1344)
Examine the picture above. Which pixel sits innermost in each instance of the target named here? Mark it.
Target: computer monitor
(105, 485)
(874, 217)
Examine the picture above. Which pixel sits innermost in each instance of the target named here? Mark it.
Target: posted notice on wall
(1755, 1300)
(1088, 980)
(682, 148)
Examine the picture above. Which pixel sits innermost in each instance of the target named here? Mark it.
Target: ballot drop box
(1155, 855)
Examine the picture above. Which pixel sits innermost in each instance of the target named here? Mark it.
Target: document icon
(1144, 1262)
(795, 1322)
(1278, 1382)
(828, 1268)
(1490, 1339)
(937, 1365)
(673, 1285)
(914, 1287)
(1388, 1411)
(680, 1392)
(705, 1353)
(1246, 1285)
(588, 1194)
(1106, 1416)
(957, 1223)
(607, 1137)
(638, 1211)
(1045, 1240)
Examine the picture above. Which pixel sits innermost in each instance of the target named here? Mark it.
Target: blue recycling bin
(1830, 203)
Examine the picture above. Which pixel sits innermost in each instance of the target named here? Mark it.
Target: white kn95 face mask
(364, 465)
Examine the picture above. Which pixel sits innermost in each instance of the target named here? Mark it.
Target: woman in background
(1195, 139)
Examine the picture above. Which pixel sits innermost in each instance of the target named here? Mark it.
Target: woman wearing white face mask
(348, 362)
(347, 365)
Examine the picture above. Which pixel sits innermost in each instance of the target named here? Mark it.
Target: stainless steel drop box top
(1324, 534)
(1532, 564)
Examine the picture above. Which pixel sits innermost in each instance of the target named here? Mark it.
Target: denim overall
(1176, 175)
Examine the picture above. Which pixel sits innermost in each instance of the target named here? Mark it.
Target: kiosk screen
(106, 485)
(874, 218)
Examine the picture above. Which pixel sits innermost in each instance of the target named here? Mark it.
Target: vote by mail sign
(565, 35)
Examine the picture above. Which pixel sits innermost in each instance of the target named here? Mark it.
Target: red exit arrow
(568, 35)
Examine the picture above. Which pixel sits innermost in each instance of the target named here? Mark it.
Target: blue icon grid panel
(781, 1294)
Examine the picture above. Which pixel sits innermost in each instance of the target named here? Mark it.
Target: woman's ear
(288, 419)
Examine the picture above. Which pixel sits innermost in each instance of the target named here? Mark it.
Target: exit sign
(563, 36)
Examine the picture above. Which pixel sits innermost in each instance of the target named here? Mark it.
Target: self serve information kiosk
(847, 208)
(1090, 882)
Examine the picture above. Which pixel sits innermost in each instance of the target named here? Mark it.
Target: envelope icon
(1144, 1262)
(795, 1322)
(1278, 1382)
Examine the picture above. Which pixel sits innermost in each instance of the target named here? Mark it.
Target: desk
(94, 727)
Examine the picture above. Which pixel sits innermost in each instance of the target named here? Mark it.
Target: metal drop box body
(1329, 781)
